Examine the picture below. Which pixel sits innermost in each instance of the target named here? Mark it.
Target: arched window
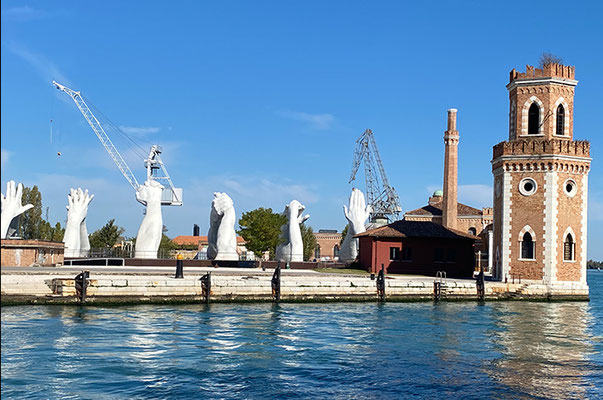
(560, 120)
(336, 250)
(317, 252)
(527, 247)
(473, 231)
(568, 248)
(533, 119)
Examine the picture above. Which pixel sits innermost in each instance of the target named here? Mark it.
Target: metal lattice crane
(156, 170)
(380, 195)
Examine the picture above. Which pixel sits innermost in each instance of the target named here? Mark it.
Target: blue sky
(264, 100)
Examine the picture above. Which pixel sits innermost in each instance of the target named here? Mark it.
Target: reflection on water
(446, 350)
(545, 349)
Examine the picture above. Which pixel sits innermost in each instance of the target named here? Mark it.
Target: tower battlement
(552, 70)
(575, 148)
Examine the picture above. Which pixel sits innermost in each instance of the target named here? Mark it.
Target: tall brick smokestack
(451, 141)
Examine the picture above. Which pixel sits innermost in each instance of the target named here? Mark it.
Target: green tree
(30, 222)
(107, 236)
(261, 229)
(309, 241)
(166, 245)
(53, 233)
(344, 232)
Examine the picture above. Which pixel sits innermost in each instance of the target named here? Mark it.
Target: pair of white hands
(76, 235)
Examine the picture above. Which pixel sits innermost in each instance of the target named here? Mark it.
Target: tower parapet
(552, 70)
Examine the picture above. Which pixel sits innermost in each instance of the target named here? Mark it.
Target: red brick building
(541, 182)
(417, 247)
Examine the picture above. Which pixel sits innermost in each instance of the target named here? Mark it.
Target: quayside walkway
(113, 285)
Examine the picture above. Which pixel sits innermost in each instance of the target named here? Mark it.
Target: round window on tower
(570, 188)
(527, 186)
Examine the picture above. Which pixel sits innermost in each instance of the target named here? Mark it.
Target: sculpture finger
(10, 190)
(345, 212)
(88, 199)
(19, 192)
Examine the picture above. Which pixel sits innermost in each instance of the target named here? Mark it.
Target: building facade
(328, 244)
(541, 182)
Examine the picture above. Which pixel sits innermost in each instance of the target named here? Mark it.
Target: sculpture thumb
(26, 207)
(345, 212)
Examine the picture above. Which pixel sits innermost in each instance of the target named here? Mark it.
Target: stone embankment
(255, 285)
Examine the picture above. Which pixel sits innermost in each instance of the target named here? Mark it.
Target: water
(344, 350)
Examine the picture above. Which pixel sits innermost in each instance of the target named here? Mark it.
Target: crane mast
(153, 163)
(380, 194)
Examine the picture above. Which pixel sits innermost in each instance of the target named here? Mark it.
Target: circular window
(570, 188)
(527, 186)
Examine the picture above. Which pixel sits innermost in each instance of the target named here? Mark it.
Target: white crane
(156, 170)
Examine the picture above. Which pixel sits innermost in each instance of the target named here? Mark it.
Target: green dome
(438, 193)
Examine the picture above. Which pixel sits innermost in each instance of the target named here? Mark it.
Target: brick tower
(541, 182)
(451, 162)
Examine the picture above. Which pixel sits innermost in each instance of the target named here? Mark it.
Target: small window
(439, 255)
(527, 186)
(560, 120)
(451, 255)
(317, 252)
(473, 231)
(406, 253)
(568, 248)
(394, 253)
(533, 119)
(527, 247)
(570, 188)
(336, 251)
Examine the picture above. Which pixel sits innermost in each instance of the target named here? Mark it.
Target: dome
(438, 193)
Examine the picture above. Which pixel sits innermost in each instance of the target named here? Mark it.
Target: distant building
(199, 245)
(328, 244)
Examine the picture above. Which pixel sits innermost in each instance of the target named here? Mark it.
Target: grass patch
(342, 271)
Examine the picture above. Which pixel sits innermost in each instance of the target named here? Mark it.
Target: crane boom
(171, 196)
(100, 133)
(380, 194)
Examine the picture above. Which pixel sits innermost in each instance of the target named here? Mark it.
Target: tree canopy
(261, 229)
(309, 241)
(107, 236)
(31, 223)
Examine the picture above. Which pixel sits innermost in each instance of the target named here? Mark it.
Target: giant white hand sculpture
(221, 237)
(356, 214)
(77, 209)
(151, 228)
(292, 246)
(11, 206)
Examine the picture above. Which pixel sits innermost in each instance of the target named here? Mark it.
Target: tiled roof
(417, 229)
(435, 209)
(184, 240)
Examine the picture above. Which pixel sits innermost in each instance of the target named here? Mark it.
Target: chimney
(195, 230)
(451, 141)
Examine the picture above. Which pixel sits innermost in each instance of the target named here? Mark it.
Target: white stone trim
(562, 101)
(523, 231)
(506, 225)
(583, 256)
(550, 227)
(513, 120)
(540, 81)
(525, 112)
(541, 157)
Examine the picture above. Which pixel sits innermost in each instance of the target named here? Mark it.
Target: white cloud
(23, 13)
(316, 121)
(5, 156)
(139, 130)
(43, 66)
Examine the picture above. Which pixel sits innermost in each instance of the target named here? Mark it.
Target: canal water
(531, 350)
